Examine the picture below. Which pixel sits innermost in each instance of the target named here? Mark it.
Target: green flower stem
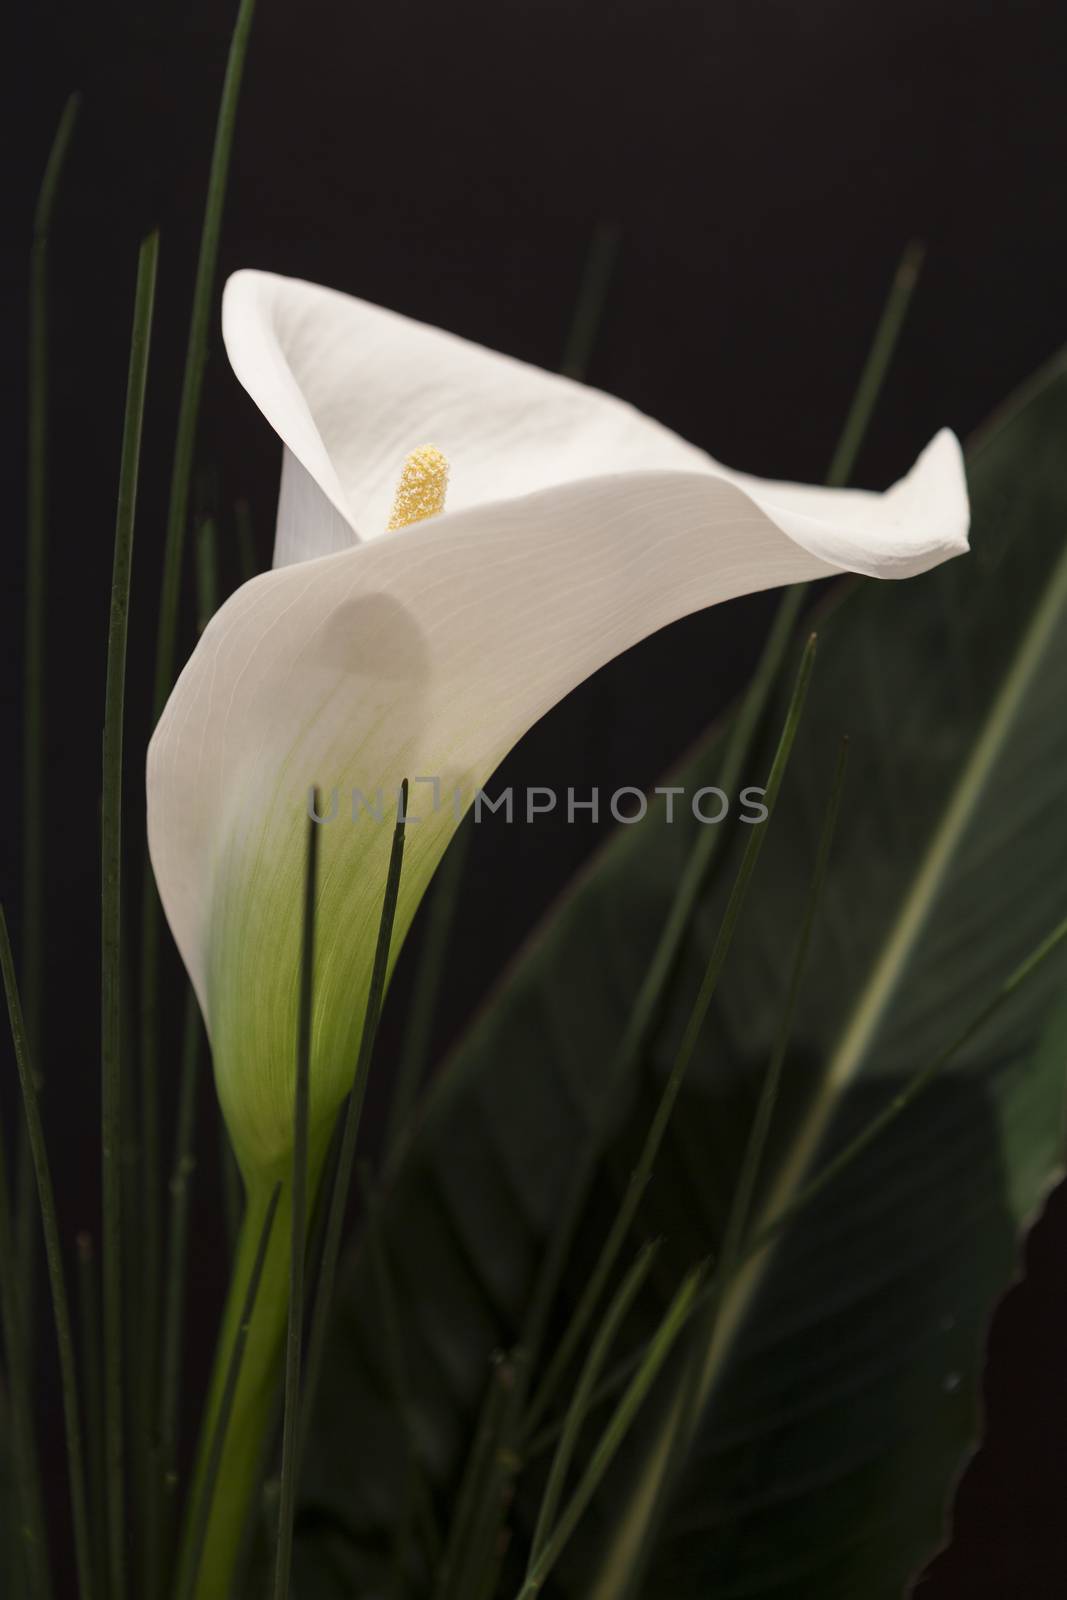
(254, 1401)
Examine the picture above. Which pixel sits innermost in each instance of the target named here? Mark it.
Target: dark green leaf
(837, 1384)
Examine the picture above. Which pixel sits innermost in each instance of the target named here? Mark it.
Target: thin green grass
(741, 1202)
(592, 296)
(686, 1412)
(426, 989)
(166, 647)
(33, 736)
(618, 1427)
(92, 1388)
(595, 1284)
(492, 1435)
(581, 1399)
(196, 357)
(198, 1529)
(22, 1450)
(184, 1165)
(294, 1335)
(54, 1261)
(740, 741)
(111, 909)
(912, 1091)
(331, 1245)
(444, 899)
(33, 757)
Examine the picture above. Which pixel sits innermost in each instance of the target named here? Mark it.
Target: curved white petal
(351, 388)
(429, 653)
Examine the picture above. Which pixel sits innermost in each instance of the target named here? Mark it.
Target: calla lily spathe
(574, 526)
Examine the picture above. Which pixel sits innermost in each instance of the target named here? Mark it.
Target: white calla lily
(573, 527)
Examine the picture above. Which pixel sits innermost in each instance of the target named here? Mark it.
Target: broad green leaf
(838, 1387)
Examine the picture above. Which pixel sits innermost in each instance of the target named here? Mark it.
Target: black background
(765, 164)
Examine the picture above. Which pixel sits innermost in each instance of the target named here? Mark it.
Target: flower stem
(252, 1400)
(338, 1199)
(217, 1437)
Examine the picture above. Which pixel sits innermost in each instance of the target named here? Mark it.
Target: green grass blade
(207, 572)
(595, 1285)
(581, 1399)
(166, 645)
(618, 1427)
(740, 740)
(111, 906)
(490, 1435)
(36, 584)
(92, 1386)
(770, 1231)
(426, 989)
(178, 1234)
(196, 356)
(331, 1244)
(230, 1182)
(54, 1260)
(23, 1443)
(294, 1337)
(198, 1529)
(683, 1424)
(657, 977)
(875, 368)
(741, 1204)
(589, 310)
(160, 1412)
(478, 1575)
(421, 1500)
(246, 545)
(33, 735)
(911, 1091)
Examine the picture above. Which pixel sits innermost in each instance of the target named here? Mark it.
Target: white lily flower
(574, 526)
